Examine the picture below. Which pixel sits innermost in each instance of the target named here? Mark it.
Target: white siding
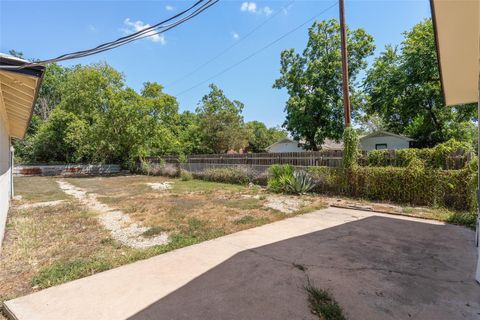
(5, 175)
(392, 143)
(286, 147)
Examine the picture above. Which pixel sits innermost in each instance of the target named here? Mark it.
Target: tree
(220, 122)
(403, 88)
(190, 136)
(49, 95)
(98, 120)
(260, 137)
(314, 82)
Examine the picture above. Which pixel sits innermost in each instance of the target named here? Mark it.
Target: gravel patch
(118, 223)
(284, 204)
(160, 185)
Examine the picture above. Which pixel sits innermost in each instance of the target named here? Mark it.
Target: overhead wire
(258, 51)
(221, 53)
(141, 34)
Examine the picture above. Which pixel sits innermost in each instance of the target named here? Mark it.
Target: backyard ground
(61, 229)
(53, 237)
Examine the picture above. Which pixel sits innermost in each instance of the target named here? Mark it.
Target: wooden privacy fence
(256, 161)
(261, 161)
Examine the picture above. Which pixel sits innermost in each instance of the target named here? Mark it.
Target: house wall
(5, 175)
(286, 147)
(391, 142)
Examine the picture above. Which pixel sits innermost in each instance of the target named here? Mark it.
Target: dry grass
(38, 238)
(214, 206)
(51, 245)
(38, 189)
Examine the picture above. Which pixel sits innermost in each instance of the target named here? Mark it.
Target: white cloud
(135, 26)
(267, 11)
(249, 6)
(169, 8)
(235, 35)
(252, 8)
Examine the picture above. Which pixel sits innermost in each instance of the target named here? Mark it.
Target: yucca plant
(299, 183)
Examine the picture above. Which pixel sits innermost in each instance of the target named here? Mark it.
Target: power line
(141, 34)
(229, 47)
(258, 51)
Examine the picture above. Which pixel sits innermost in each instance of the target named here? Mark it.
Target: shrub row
(445, 155)
(415, 185)
(159, 169)
(237, 175)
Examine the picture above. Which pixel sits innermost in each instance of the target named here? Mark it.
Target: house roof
(381, 133)
(330, 144)
(457, 28)
(18, 92)
(284, 140)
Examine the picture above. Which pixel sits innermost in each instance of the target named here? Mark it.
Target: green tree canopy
(98, 119)
(403, 89)
(260, 137)
(220, 122)
(313, 81)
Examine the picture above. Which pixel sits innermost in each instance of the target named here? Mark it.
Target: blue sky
(45, 29)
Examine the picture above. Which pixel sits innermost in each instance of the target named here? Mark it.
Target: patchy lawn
(49, 245)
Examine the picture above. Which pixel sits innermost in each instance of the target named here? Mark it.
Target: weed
(300, 267)
(185, 175)
(322, 304)
(251, 220)
(153, 231)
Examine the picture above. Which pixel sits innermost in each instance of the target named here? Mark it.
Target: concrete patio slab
(377, 266)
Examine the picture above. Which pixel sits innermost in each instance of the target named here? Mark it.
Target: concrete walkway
(377, 266)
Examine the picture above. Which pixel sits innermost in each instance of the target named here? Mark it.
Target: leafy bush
(439, 157)
(416, 184)
(237, 175)
(185, 175)
(165, 169)
(278, 175)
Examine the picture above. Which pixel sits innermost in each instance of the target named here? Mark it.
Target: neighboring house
(290, 145)
(18, 92)
(383, 140)
(285, 145)
(373, 141)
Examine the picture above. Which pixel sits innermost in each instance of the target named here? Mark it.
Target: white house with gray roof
(374, 141)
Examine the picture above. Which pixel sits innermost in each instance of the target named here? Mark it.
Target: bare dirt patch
(285, 204)
(160, 185)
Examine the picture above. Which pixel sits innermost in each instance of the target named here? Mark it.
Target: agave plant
(300, 182)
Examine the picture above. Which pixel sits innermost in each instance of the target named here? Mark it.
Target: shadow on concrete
(377, 268)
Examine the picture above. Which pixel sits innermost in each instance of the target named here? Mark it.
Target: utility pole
(346, 94)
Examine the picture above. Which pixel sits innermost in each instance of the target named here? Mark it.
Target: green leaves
(403, 88)
(314, 82)
(260, 137)
(220, 122)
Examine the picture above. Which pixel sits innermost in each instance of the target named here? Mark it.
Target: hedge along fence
(450, 155)
(414, 185)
